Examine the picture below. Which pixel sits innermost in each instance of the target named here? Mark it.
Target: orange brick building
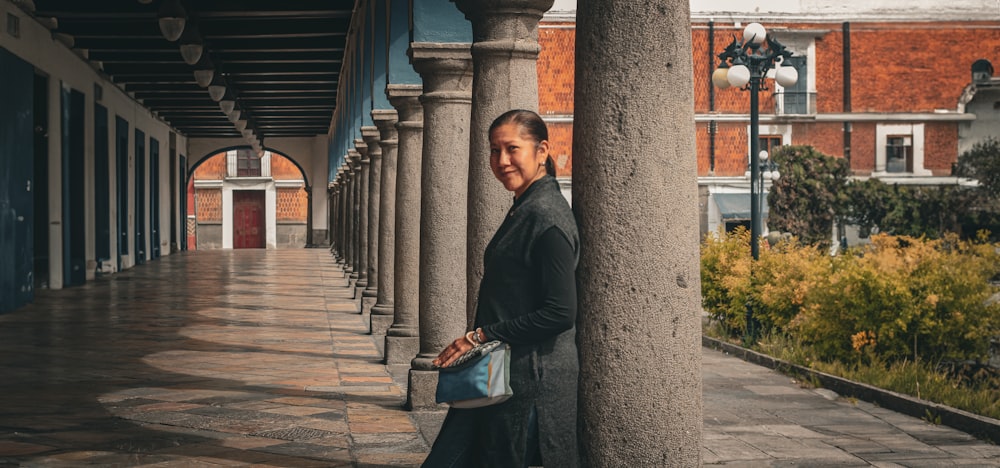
(895, 97)
(239, 200)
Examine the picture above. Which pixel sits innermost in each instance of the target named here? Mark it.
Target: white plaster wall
(63, 67)
(987, 123)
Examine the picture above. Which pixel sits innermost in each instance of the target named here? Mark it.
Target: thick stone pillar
(369, 295)
(362, 241)
(402, 340)
(637, 207)
(446, 70)
(504, 55)
(382, 311)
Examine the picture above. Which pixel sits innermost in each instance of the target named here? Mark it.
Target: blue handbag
(481, 377)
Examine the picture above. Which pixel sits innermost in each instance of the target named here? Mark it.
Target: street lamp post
(768, 171)
(745, 65)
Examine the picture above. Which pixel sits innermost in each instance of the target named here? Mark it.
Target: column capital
(445, 67)
(496, 19)
(370, 134)
(403, 90)
(362, 148)
(384, 118)
(354, 159)
(406, 100)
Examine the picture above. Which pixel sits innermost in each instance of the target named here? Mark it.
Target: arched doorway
(242, 199)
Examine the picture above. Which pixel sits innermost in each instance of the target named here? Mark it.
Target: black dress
(527, 298)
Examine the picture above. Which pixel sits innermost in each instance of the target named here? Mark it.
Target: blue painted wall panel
(380, 54)
(400, 70)
(102, 185)
(439, 21)
(16, 173)
(73, 195)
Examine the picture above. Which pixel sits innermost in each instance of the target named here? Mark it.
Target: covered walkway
(260, 358)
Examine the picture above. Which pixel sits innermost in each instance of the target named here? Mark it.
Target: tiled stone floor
(260, 358)
(210, 358)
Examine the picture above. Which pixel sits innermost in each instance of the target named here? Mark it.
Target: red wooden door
(248, 219)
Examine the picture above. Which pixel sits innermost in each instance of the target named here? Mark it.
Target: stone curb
(979, 426)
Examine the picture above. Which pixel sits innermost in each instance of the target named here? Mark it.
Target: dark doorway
(73, 194)
(102, 187)
(140, 197)
(40, 183)
(16, 172)
(248, 219)
(154, 198)
(121, 186)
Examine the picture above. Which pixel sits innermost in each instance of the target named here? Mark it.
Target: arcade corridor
(204, 358)
(260, 358)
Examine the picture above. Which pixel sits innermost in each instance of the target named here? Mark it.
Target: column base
(401, 349)
(367, 302)
(368, 298)
(421, 388)
(380, 323)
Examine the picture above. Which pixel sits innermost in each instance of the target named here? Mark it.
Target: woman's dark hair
(532, 124)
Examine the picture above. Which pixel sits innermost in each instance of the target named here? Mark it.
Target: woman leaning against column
(527, 299)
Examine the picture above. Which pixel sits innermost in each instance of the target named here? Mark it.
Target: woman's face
(516, 160)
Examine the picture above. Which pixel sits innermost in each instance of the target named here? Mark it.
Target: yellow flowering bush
(899, 297)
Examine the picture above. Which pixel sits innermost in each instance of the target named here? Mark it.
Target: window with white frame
(770, 142)
(899, 149)
(247, 163)
(899, 154)
(771, 137)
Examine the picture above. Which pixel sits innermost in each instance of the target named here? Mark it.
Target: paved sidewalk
(259, 358)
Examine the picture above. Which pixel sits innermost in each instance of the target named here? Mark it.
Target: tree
(982, 163)
(810, 195)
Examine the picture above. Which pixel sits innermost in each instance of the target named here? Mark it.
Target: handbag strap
(475, 352)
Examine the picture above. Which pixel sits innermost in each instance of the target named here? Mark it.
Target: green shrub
(899, 298)
(725, 278)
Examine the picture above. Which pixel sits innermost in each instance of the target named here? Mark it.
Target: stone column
(355, 160)
(309, 216)
(333, 217)
(344, 220)
(446, 70)
(362, 231)
(637, 208)
(402, 340)
(382, 311)
(332, 222)
(504, 55)
(374, 181)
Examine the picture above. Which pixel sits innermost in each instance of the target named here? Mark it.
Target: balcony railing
(794, 103)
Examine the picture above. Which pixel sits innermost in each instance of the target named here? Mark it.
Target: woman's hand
(454, 351)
